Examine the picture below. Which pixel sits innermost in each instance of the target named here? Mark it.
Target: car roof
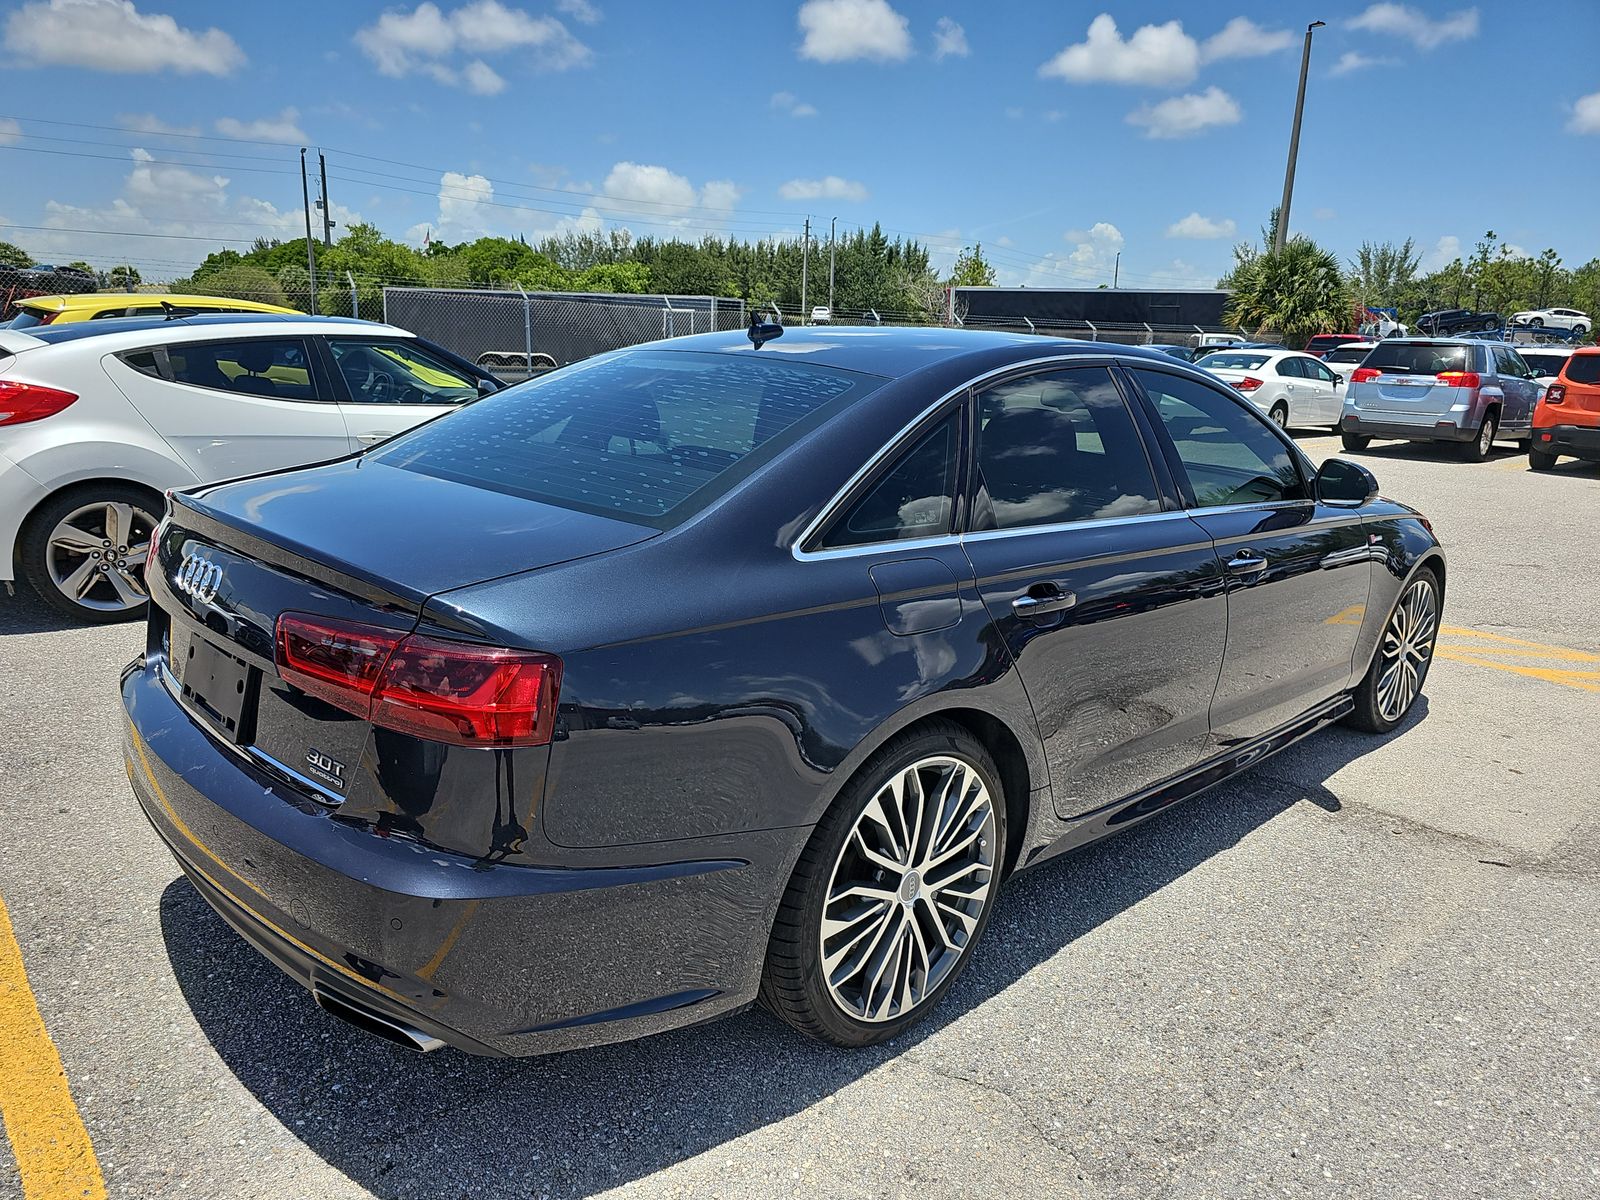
(180, 327)
(75, 300)
(893, 351)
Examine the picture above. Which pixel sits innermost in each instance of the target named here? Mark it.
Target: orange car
(1567, 419)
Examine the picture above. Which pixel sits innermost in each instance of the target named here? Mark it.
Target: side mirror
(1337, 379)
(1345, 483)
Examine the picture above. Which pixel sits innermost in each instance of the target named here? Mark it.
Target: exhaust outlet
(376, 1023)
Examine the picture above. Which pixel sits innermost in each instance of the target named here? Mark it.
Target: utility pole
(1294, 141)
(805, 256)
(1116, 270)
(832, 227)
(327, 223)
(311, 247)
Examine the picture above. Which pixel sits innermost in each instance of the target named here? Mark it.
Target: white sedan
(1555, 318)
(1295, 390)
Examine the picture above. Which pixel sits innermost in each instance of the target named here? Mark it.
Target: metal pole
(1294, 142)
(805, 256)
(832, 227)
(327, 223)
(355, 296)
(527, 328)
(311, 249)
(1116, 270)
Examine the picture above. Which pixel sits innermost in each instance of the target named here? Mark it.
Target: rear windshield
(648, 436)
(1545, 363)
(1232, 362)
(1411, 358)
(1333, 357)
(24, 320)
(1583, 368)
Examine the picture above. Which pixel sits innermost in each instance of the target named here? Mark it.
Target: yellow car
(93, 306)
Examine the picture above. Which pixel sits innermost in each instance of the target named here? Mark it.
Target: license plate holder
(217, 686)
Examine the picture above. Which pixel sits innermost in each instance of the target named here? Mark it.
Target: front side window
(1290, 368)
(1231, 455)
(1059, 447)
(914, 499)
(644, 435)
(277, 368)
(398, 371)
(1316, 370)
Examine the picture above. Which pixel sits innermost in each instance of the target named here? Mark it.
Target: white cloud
(580, 11)
(1155, 55)
(10, 131)
(949, 40)
(113, 35)
(1196, 226)
(841, 30)
(1421, 30)
(790, 103)
(1585, 114)
(1089, 262)
(1243, 38)
(1445, 251)
(150, 123)
(1354, 60)
(1185, 116)
(285, 127)
(830, 187)
(427, 39)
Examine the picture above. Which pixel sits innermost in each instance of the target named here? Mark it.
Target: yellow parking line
(55, 1157)
(1579, 668)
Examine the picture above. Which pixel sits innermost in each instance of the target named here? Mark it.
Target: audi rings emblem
(199, 578)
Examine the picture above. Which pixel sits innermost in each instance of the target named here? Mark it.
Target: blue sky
(1056, 134)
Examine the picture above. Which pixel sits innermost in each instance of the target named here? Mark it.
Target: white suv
(98, 419)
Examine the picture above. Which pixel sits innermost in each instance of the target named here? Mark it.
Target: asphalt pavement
(1369, 967)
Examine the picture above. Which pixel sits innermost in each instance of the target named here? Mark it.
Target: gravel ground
(1366, 968)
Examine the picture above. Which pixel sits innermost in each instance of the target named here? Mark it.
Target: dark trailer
(1106, 313)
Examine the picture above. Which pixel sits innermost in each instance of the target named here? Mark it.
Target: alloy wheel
(96, 555)
(1486, 438)
(908, 889)
(1407, 648)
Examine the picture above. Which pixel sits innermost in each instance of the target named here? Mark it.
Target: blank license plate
(217, 685)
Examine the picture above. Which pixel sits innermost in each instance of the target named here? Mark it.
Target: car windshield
(1346, 356)
(1234, 361)
(1583, 368)
(1413, 358)
(24, 320)
(1543, 362)
(649, 436)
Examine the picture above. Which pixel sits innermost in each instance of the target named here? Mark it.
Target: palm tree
(1294, 292)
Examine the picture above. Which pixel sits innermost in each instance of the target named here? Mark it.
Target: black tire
(1369, 714)
(1539, 460)
(1489, 326)
(1482, 443)
(1280, 415)
(1355, 441)
(1536, 322)
(1579, 330)
(36, 548)
(792, 982)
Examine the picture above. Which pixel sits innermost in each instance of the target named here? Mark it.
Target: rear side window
(277, 368)
(1291, 368)
(142, 361)
(1232, 362)
(915, 499)
(649, 436)
(1428, 358)
(1582, 368)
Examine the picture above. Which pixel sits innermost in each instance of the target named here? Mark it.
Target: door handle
(1247, 562)
(1042, 599)
(372, 439)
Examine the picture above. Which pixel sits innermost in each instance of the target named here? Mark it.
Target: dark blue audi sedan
(741, 669)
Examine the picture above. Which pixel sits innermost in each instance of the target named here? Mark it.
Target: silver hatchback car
(1440, 390)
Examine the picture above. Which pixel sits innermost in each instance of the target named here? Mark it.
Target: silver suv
(1440, 390)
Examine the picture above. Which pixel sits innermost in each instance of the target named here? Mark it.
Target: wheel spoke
(119, 523)
(129, 590)
(81, 580)
(74, 540)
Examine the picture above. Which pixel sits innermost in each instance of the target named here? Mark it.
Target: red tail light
(1364, 374)
(1248, 384)
(1466, 379)
(452, 692)
(1556, 394)
(23, 402)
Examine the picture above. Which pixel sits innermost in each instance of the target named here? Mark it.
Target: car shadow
(407, 1125)
(24, 612)
(1428, 452)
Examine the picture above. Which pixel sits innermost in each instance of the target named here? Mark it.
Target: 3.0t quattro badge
(199, 577)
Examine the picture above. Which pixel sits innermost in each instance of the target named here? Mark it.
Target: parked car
(1567, 421)
(1295, 390)
(1457, 320)
(1555, 318)
(1440, 390)
(1186, 353)
(1213, 341)
(697, 674)
(96, 306)
(1319, 345)
(1345, 359)
(98, 418)
(821, 314)
(19, 283)
(1545, 361)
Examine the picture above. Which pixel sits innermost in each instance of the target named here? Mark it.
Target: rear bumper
(1575, 441)
(491, 959)
(1431, 430)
